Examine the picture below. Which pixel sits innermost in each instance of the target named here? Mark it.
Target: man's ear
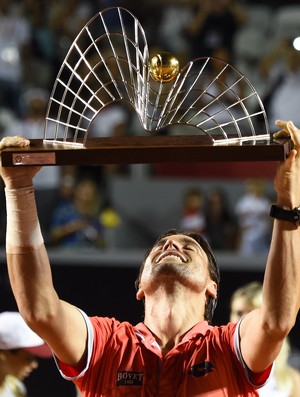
(212, 289)
(140, 294)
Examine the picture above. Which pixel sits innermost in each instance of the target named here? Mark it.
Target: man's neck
(169, 318)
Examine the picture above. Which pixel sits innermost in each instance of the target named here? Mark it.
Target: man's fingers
(284, 132)
(288, 129)
(281, 134)
(281, 123)
(294, 132)
(13, 141)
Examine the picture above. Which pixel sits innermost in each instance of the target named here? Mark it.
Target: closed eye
(157, 247)
(190, 247)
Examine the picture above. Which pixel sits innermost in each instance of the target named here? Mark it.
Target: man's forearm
(23, 228)
(27, 259)
(281, 291)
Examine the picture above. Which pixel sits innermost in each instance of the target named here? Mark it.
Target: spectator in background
(214, 25)
(112, 121)
(281, 68)
(41, 69)
(71, 202)
(19, 349)
(15, 52)
(285, 381)
(66, 19)
(224, 77)
(193, 215)
(252, 211)
(171, 35)
(76, 221)
(221, 227)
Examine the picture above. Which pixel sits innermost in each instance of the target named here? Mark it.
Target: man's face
(174, 260)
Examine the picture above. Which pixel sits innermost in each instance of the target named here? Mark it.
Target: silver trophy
(215, 106)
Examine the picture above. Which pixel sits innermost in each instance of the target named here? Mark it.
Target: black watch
(286, 215)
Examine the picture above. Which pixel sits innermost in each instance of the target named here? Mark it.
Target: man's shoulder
(111, 325)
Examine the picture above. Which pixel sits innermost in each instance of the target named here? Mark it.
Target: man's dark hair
(213, 267)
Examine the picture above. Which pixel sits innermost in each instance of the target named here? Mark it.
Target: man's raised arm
(262, 331)
(60, 324)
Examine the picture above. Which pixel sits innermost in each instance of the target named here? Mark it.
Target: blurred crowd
(243, 226)
(75, 202)
(35, 37)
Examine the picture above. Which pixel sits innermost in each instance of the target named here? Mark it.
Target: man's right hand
(287, 177)
(18, 176)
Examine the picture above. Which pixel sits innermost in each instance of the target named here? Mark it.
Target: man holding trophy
(175, 350)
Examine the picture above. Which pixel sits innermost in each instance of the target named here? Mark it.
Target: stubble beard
(171, 274)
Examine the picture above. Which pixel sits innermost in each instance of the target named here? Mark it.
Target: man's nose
(171, 243)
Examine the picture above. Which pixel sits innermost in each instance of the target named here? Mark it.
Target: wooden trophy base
(144, 150)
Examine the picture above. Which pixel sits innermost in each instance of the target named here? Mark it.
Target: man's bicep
(259, 348)
(67, 335)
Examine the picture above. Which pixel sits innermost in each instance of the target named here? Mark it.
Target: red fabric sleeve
(70, 371)
(259, 378)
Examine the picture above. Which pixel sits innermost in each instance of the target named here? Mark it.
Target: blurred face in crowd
(18, 362)
(239, 307)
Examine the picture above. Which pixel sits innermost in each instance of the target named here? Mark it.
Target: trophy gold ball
(164, 67)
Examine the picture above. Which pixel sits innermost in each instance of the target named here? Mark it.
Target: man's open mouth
(172, 255)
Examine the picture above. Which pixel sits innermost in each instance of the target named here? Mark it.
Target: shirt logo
(129, 378)
(202, 369)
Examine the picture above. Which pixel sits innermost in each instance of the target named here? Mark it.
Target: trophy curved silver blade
(109, 61)
(106, 63)
(212, 96)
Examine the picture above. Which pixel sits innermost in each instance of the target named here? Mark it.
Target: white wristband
(23, 231)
